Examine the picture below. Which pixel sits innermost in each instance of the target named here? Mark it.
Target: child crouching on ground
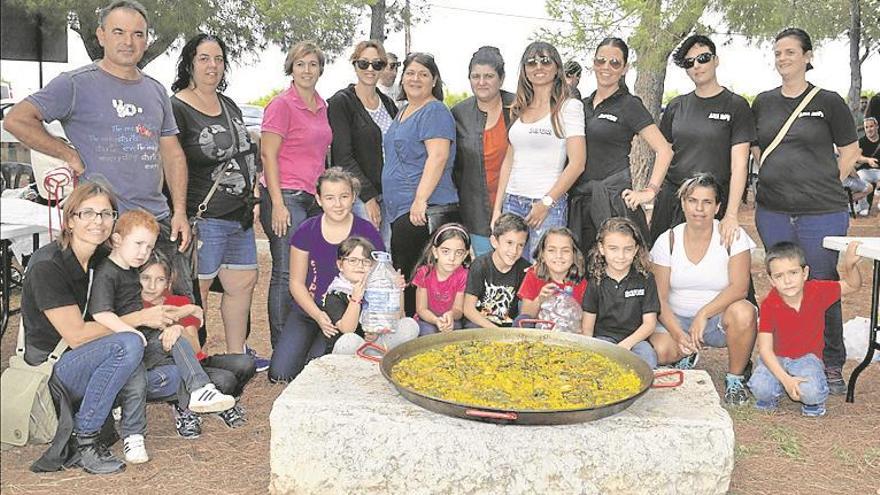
(441, 278)
(342, 302)
(792, 327)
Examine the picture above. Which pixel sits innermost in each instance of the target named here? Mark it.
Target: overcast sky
(455, 30)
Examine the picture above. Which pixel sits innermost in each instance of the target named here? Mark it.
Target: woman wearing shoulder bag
(800, 197)
(220, 192)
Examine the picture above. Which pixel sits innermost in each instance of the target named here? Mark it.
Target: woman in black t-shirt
(613, 116)
(710, 130)
(216, 143)
(800, 198)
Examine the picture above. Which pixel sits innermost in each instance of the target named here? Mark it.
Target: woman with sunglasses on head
(547, 131)
(613, 117)
(710, 130)
(295, 138)
(481, 123)
(419, 153)
(360, 115)
(800, 197)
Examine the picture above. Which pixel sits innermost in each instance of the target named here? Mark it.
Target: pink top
(305, 135)
(441, 295)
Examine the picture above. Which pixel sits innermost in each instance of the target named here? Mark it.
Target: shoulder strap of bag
(203, 206)
(788, 123)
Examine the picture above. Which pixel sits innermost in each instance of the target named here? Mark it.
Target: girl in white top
(547, 130)
(703, 286)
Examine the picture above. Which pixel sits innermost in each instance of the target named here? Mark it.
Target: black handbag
(439, 215)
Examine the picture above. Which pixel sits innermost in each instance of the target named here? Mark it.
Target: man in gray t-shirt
(122, 127)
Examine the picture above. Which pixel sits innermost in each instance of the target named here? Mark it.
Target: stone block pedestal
(340, 427)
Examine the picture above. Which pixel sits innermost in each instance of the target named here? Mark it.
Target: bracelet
(654, 188)
(353, 300)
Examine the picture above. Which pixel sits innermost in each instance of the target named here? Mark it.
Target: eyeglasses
(703, 58)
(615, 63)
(394, 65)
(91, 215)
(363, 64)
(362, 262)
(542, 60)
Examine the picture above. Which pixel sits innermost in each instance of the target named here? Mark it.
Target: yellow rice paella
(521, 375)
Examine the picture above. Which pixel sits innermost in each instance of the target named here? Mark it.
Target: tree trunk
(648, 87)
(855, 64)
(377, 21)
(407, 34)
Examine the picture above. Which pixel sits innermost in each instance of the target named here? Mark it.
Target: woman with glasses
(99, 362)
(710, 130)
(547, 131)
(419, 153)
(313, 251)
(613, 118)
(800, 197)
(294, 142)
(481, 123)
(360, 115)
(216, 143)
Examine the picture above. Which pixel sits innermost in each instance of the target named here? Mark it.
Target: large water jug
(382, 297)
(563, 310)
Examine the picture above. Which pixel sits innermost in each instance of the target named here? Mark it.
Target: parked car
(253, 117)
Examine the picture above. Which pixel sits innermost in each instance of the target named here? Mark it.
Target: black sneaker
(261, 363)
(836, 385)
(233, 417)
(188, 423)
(95, 458)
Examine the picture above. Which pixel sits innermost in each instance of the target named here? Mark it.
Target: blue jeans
(95, 372)
(767, 389)
(159, 383)
(359, 208)
(225, 245)
(426, 328)
(301, 205)
(713, 335)
(808, 232)
(480, 244)
(301, 340)
(521, 205)
(643, 350)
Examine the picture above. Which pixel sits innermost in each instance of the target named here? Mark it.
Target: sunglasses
(394, 65)
(542, 60)
(363, 64)
(615, 63)
(703, 58)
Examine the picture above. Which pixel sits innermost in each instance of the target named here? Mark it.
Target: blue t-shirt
(115, 125)
(405, 156)
(322, 254)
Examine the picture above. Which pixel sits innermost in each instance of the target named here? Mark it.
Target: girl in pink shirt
(441, 278)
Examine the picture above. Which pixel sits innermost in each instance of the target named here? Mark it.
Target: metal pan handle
(668, 384)
(366, 346)
(534, 322)
(477, 413)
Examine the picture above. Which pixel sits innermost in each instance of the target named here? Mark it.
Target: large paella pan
(617, 358)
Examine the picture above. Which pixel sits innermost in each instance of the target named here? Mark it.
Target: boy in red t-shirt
(792, 326)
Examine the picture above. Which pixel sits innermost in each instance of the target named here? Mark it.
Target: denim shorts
(714, 334)
(225, 245)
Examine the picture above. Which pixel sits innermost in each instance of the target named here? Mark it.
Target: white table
(870, 248)
(8, 234)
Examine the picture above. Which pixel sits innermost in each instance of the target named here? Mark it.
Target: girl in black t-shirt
(613, 116)
(710, 130)
(800, 198)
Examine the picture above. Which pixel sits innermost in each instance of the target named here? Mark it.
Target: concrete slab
(340, 427)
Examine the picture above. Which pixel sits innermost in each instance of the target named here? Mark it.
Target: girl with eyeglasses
(360, 115)
(613, 117)
(547, 132)
(710, 130)
(800, 197)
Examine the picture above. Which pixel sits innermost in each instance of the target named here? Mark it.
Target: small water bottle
(382, 297)
(563, 310)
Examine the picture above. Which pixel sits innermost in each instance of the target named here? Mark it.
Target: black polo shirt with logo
(619, 306)
(801, 176)
(610, 128)
(702, 131)
(54, 279)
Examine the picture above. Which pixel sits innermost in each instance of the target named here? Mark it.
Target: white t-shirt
(538, 155)
(692, 286)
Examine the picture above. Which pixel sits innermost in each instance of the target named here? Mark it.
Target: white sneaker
(135, 452)
(865, 212)
(117, 414)
(209, 400)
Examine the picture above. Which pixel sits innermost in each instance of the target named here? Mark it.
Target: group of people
(488, 210)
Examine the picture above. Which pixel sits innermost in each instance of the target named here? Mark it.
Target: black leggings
(407, 243)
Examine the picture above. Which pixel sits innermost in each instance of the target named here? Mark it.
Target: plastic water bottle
(381, 297)
(563, 310)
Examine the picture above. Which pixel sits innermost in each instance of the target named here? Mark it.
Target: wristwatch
(547, 201)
